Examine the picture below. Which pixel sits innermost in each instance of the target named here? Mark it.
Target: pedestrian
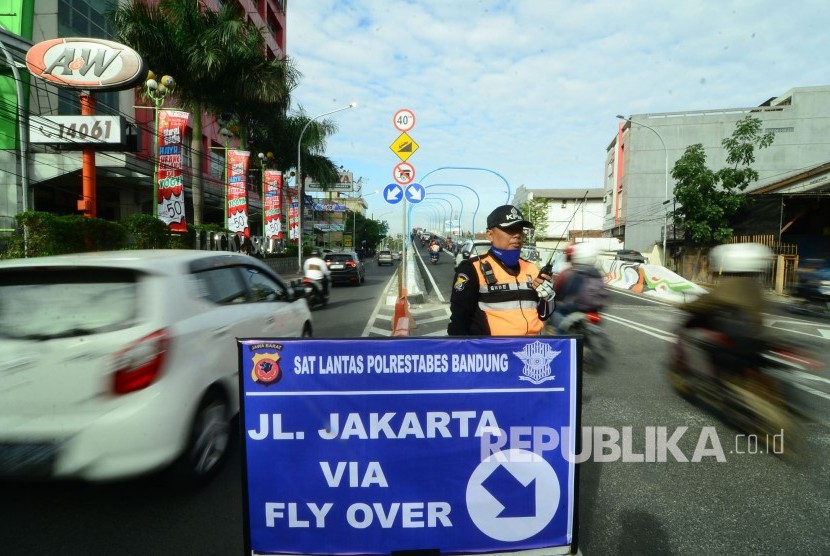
(499, 293)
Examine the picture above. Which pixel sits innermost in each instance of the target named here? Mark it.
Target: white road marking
(431, 279)
(381, 302)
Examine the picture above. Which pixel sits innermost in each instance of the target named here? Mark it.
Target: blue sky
(529, 89)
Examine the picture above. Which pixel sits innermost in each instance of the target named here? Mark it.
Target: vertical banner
(237, 193)
(272, 204)
(293, 214)
(169, 181)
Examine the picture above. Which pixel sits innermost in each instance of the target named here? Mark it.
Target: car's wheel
(307, 330)
(208, 440)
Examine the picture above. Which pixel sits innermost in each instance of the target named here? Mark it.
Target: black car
(630, 256)
(346, 268)
(813, 281)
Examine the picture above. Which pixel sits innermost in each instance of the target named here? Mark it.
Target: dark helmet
(315, 252)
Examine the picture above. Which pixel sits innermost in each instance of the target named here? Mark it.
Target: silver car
(122, 363)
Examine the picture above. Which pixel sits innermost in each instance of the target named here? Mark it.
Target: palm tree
(213, 55)
(279, 133)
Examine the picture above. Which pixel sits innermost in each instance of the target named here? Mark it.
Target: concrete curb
(414, 280)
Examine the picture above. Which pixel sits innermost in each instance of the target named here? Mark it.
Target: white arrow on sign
(415, 193)
(527, 469)
(392, 193)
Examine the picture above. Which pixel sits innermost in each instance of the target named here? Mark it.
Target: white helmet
(584, 253)
(740, 258)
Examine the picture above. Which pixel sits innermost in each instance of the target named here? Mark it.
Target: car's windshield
(46, 303)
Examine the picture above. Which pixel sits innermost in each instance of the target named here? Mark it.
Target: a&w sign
(86, 63)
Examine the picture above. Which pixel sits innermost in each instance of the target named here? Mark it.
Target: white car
(472, 248)
(119, 364)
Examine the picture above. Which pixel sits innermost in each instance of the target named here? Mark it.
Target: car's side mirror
(297, 289)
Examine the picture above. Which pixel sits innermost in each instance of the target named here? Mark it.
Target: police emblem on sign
(266, 369)
(537, 358)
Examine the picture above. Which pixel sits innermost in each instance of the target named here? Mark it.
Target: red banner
(237, 178)
(169, 180)
(272, 204)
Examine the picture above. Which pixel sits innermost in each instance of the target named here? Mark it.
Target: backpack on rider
(584, 288)
(591, 294)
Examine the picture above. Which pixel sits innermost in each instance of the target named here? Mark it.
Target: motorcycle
(314, 294)
(597, 345)
(433, 257)
(760, 398)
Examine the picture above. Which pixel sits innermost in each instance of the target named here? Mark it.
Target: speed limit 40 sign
(404, 120)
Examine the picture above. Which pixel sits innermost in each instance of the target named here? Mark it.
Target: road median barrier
(402, 321)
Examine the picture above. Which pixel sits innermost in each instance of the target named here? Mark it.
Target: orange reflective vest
(508, 302)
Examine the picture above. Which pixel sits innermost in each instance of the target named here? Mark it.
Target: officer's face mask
(510, 257)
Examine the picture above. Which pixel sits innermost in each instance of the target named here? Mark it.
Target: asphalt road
(753, 503)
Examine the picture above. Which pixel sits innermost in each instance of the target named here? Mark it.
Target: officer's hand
(545, 291)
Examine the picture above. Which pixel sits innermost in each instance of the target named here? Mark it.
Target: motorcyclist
(734, 307)
(434, 249)
(315, 268)
(562, 272)
(580, 287)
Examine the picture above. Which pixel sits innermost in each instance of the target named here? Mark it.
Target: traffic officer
(499, 293)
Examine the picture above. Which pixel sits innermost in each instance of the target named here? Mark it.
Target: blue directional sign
(393, 193)
(415, 193)
(371, 446)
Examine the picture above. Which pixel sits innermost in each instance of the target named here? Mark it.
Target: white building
(572, 214)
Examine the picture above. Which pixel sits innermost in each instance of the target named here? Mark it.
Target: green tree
(216, 58)
(707, 199)
(536, 211)
(280, 133)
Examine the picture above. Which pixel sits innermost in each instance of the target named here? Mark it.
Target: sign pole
(88, 203)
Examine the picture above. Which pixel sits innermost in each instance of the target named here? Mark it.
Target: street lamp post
(666, 196)
(157, 91)
(300, 181)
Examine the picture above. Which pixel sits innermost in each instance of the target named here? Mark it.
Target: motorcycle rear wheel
(600, 348)
(768, 417)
